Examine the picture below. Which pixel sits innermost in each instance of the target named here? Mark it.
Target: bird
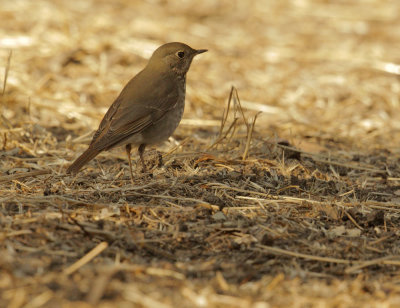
(148, 109)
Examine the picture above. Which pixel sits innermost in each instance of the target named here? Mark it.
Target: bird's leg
(160, 160)
(128, 152)
(141, 151)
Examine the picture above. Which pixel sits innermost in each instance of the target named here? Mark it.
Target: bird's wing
(137, 107)
(106, 120)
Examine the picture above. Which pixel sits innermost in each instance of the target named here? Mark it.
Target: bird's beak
(199, 51)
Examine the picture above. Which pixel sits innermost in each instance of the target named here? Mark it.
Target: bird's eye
(180, 54)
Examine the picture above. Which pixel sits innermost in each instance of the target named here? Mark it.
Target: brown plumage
(148, 109)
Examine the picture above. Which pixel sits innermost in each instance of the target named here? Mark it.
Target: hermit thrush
(148, 109)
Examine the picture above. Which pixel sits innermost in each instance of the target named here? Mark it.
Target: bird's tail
(86, 156)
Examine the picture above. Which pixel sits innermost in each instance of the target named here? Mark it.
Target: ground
(296, 206)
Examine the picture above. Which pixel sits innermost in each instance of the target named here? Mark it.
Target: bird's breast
(166, 125)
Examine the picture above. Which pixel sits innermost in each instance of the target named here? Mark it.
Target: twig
(384, 260)
(314, 157)
(353, 220)
(3, 118)
(9, 178)
(100, 285)
(225, 113)
(221, 135)
(279, 251)
(238, 106)
(166, 197)
(6, 73)
(225, 135)
(86, 258)
(249, 135)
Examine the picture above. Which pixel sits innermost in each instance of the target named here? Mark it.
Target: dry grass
(298, 206)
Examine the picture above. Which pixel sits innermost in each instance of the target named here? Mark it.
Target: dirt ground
(296, 206)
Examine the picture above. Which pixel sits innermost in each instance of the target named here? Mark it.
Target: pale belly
(164, 127)
(161, 130)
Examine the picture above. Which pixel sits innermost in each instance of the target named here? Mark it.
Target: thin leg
(141, 151)
(128, 152)
(160, 160)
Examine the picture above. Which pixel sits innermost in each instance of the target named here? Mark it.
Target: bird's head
(176, 57)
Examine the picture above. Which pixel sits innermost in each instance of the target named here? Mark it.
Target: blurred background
(317, 69)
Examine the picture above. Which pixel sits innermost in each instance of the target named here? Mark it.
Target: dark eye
(180, 54)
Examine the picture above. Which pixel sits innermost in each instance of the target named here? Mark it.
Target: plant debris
(280, 188)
